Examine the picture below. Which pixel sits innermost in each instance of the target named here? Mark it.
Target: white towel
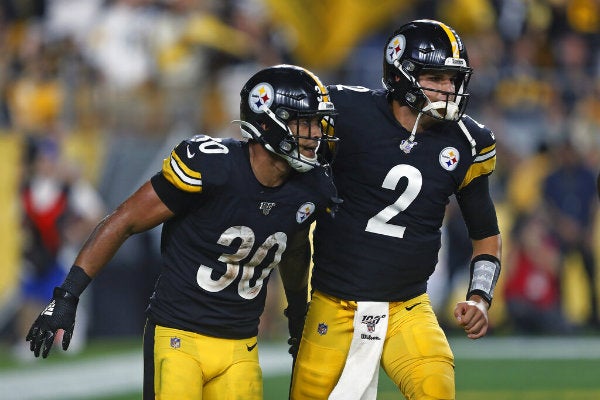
(361, 372)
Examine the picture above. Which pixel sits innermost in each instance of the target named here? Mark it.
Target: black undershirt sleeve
(478, 209)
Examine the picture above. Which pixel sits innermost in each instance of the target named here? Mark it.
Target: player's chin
(309, 153)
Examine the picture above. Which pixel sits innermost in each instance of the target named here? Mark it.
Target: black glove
(59, 314)
(295, 313)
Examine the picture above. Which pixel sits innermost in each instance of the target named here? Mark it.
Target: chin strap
(469, 137)
(407, 145)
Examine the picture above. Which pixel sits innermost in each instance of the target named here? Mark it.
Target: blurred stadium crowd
(115, 83)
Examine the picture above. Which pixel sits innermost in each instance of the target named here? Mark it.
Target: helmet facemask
(416, 96)
(297, 133)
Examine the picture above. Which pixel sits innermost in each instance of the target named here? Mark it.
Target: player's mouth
(308, 151)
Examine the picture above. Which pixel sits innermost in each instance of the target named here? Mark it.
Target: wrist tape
(485, 270)
(76, 281)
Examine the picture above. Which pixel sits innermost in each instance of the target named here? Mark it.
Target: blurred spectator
(524, 189)
(532, 279)
(585, 123)
(574, 68)
(527, 98)
(36, 96)
(59, 212)
(570, 198)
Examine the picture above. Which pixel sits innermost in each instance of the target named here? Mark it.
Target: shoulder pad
(350, 88)
(188, 162)
(482, 135)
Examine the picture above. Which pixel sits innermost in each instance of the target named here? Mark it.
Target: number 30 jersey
(384, 241)
(227, 235)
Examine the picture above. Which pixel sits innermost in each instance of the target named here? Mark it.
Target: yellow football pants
(416, 354)
(181, 365)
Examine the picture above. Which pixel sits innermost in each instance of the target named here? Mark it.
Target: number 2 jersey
(227, 235)
(384, 241)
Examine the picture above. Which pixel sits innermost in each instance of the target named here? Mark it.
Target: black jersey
(227, 235)
(384, 241)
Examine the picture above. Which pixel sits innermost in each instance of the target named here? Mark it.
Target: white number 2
(379, 223)
(245, 290)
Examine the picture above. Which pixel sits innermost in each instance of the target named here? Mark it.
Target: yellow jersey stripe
(483, 164)
(180, 175)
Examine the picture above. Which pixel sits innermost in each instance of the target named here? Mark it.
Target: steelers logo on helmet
(395, 48)
(261, 95)
(449, 158)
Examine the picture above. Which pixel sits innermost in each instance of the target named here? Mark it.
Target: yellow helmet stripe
(452, 38)
(324, 91)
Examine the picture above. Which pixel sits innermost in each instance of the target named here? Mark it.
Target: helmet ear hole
(408, 66)
(286, 146)
(283, 114)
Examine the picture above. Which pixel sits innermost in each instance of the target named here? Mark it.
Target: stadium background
(117, 83)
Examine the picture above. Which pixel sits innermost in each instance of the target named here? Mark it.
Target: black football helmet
(426, 45)
(277, 95)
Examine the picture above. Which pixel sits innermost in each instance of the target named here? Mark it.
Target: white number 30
(245, 290)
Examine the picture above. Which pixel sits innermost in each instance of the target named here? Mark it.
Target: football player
(231, 212)
(404, 151)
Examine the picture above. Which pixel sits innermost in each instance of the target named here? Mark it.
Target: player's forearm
(139, 213)
(491, 245)
(295, 263)
(101, 246)
(294, 271)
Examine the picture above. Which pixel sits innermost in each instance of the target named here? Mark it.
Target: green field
(502, 369)
(490, 380)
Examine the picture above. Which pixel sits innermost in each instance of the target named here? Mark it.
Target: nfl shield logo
(371, 326)
(322, 328)
(175, 342)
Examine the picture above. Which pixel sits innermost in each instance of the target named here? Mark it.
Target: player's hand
(295, 317)
(472, 316)
(58, 314)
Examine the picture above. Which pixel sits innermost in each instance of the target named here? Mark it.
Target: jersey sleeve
(473, 194)
(347, 99)
(192, 168)
(484, 162)
(182, 168)
(176, 200)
